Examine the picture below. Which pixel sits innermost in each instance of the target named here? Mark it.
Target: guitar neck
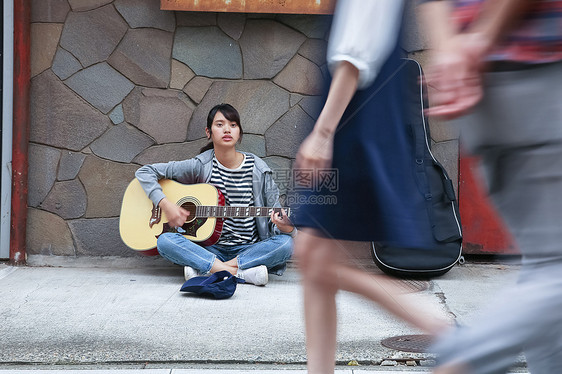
(237, 211)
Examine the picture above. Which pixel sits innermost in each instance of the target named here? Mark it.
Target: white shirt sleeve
(364, 33)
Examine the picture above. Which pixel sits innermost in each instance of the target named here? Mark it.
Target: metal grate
(409, 343)
(411, 286)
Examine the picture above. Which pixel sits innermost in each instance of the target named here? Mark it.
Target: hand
(282, 222)
(455, 76)
(316, 150)
(176, 215)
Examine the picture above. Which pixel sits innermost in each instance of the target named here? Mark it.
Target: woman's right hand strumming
(176, 215)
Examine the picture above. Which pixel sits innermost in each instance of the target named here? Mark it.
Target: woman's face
(224, 133)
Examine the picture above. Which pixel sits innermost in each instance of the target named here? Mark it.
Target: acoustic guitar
(141, 222)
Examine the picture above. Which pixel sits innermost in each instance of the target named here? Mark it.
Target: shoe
(256, 275)
(189, 272)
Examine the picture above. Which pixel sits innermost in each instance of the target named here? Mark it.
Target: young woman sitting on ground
(248, 247)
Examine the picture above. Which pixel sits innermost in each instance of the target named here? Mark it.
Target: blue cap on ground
(219, 285)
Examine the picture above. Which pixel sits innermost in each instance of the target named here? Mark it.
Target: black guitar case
(440, 254)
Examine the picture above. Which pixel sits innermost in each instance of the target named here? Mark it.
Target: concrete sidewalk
(128, 314)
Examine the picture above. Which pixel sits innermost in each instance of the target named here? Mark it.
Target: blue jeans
(273, 252)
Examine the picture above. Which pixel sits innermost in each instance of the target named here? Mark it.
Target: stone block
(301, 76)
(389, 363)
(59, 118)
(49, 11)
(295, 99)
(44, 40)
(285, 136)
(313, 26)
(254, 144)
(143, 56)
(208, 52)
(260, 16)
(105, 182)
(423, 57)
(259, 103)
(196, 19)
(100, 85)
(164, 115)
(428, 363)
(267, 46)
(146, 13)
(99, 237)
(67, 199)
(48, 234)
(413, 38)
(314, 50)
(325, 72)
(65, 64)
(43, 162)
(197, 88)
(281, 172)
(117, 116)
(93, 35)
(442, 131)
(121, 143)
(83, 5)
(170, 152)
(312, 105)
(131, 106)
(232, 24)
(278, 163)
(181, 74)
(69, 165)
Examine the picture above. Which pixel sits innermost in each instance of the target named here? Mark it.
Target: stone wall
(119, 83)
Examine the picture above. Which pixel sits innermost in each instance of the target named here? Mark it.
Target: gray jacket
(198, 170)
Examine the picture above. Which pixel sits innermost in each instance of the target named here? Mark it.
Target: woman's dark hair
(229, 112)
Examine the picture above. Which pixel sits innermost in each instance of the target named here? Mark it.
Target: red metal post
(483, 230)
(22, 76)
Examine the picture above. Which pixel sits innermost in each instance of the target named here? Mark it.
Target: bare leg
(319, 302)
(383, 291)
(231, 266)
(323, 264)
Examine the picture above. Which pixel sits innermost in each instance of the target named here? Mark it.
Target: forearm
(342, 89)
(164, 203)
(497, 18)
(435, 17)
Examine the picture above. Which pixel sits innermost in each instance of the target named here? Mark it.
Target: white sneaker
(256, 275)
(189, 272)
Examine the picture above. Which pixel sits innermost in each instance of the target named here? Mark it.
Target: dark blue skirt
(375, 197)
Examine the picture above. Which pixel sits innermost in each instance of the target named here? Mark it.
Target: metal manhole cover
(409, 343)
(410, 286)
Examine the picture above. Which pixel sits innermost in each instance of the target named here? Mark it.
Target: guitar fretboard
(237, 211)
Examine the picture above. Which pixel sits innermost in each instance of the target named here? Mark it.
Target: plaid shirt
(537, 39)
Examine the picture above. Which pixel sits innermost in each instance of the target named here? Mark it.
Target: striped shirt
(536, 39)
(236, 186)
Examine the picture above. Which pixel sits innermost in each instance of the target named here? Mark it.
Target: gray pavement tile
(196, 371)
(5, 271)
(101, 371)
(87, 313)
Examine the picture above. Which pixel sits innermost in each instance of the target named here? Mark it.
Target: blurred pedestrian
(497, 67)
(368, 151)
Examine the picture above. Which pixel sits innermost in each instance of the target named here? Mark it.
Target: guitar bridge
(156, 216)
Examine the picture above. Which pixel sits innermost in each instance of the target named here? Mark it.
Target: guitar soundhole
(191, 208)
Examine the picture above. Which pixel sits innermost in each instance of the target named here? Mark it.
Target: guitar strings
(236, 211)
